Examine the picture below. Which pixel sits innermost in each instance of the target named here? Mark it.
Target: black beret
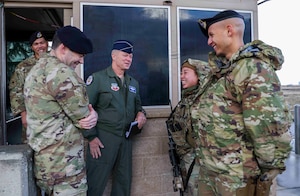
(207, 22)
(75, 40)
(123, 45)
(36, 35)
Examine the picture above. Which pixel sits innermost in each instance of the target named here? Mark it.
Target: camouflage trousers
(209, 186)
(24, 136)
(192, 185)
(68, 186)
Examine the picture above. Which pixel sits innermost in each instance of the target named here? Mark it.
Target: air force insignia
(89, 80)
(114, 86)
(132, 89)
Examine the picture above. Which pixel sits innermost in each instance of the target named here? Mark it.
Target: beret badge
(202, 23)
(39, 35)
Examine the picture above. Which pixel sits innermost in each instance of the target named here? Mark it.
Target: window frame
(168, 85)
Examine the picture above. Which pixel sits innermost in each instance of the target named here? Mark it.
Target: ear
(230, 30)
(62, 48)
(113, 55)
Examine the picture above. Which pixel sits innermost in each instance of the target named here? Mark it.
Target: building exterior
(164, 34)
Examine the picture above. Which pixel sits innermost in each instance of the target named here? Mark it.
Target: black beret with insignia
(75, 40)
(36, 35)
(123, 45)
(207, 22)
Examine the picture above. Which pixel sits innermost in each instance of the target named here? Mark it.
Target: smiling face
(68, 57)
(39, 46)
(121, 60)
(73, 59)
(218, 38)
(188, 77)
(226, 36)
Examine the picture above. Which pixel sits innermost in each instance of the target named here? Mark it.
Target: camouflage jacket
(183, 134)
(16, 85)
(55, 99)
(240, 115)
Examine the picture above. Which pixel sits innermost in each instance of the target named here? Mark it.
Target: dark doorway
(20, 23)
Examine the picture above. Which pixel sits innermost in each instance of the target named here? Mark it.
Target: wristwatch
(144, 112)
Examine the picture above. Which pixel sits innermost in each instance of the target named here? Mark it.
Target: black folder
(132, 130)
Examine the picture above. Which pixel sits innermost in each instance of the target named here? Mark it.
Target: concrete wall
(152, 172)
(16, 174)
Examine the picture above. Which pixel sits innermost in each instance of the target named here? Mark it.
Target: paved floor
(288, 183)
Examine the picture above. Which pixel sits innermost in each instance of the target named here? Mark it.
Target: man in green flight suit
(115, 96)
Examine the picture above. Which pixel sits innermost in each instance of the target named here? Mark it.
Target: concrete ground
(288, 183)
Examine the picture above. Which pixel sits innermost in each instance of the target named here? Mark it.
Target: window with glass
(147, 27)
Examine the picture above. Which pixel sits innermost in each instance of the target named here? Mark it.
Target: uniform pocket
(104, 100)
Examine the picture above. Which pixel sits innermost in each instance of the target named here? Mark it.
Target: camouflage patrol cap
(36, 35)
(187, 64)
(207, 22)
(75, 40)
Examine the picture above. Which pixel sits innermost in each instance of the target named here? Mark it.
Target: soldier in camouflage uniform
(58, 110)
(39, 45)
(192, 74)
(240, 114)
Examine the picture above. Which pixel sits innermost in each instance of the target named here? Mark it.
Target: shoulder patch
(89, 80)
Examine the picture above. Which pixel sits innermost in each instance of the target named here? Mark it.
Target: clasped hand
(91, 120)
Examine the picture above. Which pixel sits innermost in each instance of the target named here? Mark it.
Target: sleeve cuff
(90, 134)
(144, 112)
